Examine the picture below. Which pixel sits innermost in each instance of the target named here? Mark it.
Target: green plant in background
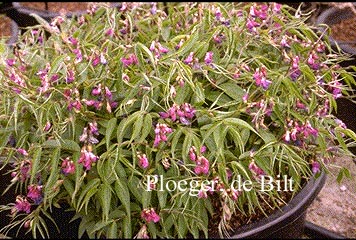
(141, 120)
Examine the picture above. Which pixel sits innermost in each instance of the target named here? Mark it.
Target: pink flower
(189, 59)
(315, 167)
(142, 233)
(70, 76)
(35, 193)
(149, 215)
(130, 60)
(192, 154)
(10, 62)
(87, 158)
(22, 151)
(202, 166)
(143, 161)
(68, 166)
(260, 77)
(47, 127)
(21, 205)
(109, 32)
(161, 130)
(202, 194)
(208, 58)
(255, 169)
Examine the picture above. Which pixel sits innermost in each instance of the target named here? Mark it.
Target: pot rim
(299, 203)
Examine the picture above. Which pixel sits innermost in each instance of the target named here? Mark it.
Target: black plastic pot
(288, 222)
(14, 33)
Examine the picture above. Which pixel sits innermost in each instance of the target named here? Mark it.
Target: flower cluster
(183, 113)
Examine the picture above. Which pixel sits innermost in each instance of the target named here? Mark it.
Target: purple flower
(103, 59)
(192, 154)
(78, 54)
(202, 166)
(189, 59)
(47, 126)
(255, 169)
(70, 76)
(260, 77)
(25, 168)
(312, 61)
(149, 215)
(245, 97)
(208, 58)
(93, 126)
(109, 32)
(108, 93)
(315, 167)
(96, 61)
(96, 90)
(162, 49)
(68, 166)
(87, 158)
(130, 60)
(35, 193)
(179, 45)
(143, 161)
(276, 7)
(21, 205)
(22, 151)
(142, 233)
(251, 25)
(161, 130)
(73, 41)
(10, 62)
(202, 194)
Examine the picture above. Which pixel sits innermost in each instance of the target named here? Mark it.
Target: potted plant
(190, 123)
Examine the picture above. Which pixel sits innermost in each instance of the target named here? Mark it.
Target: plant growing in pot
(190, 123)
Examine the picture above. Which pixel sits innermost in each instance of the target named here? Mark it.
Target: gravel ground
(335, 207)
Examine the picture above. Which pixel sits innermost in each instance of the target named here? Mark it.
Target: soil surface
(57, 6)
(5, 26)
(345, 30)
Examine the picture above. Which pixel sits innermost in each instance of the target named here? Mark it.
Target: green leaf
(100, 225)
(162, 198)
(126, 227)
(147, 127)
(199, 96)
(104, 195)
(166, 31)
(70, 145)
(109, 130)
(146, 198)
(134, 184)
(112, 231)
(92, 184)
(122, 192)
(233, 91)
(55, 64)
(53, 177)
(239, 122)
(35, 164)
(137, 128)
(65, 144)
(181, 226)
